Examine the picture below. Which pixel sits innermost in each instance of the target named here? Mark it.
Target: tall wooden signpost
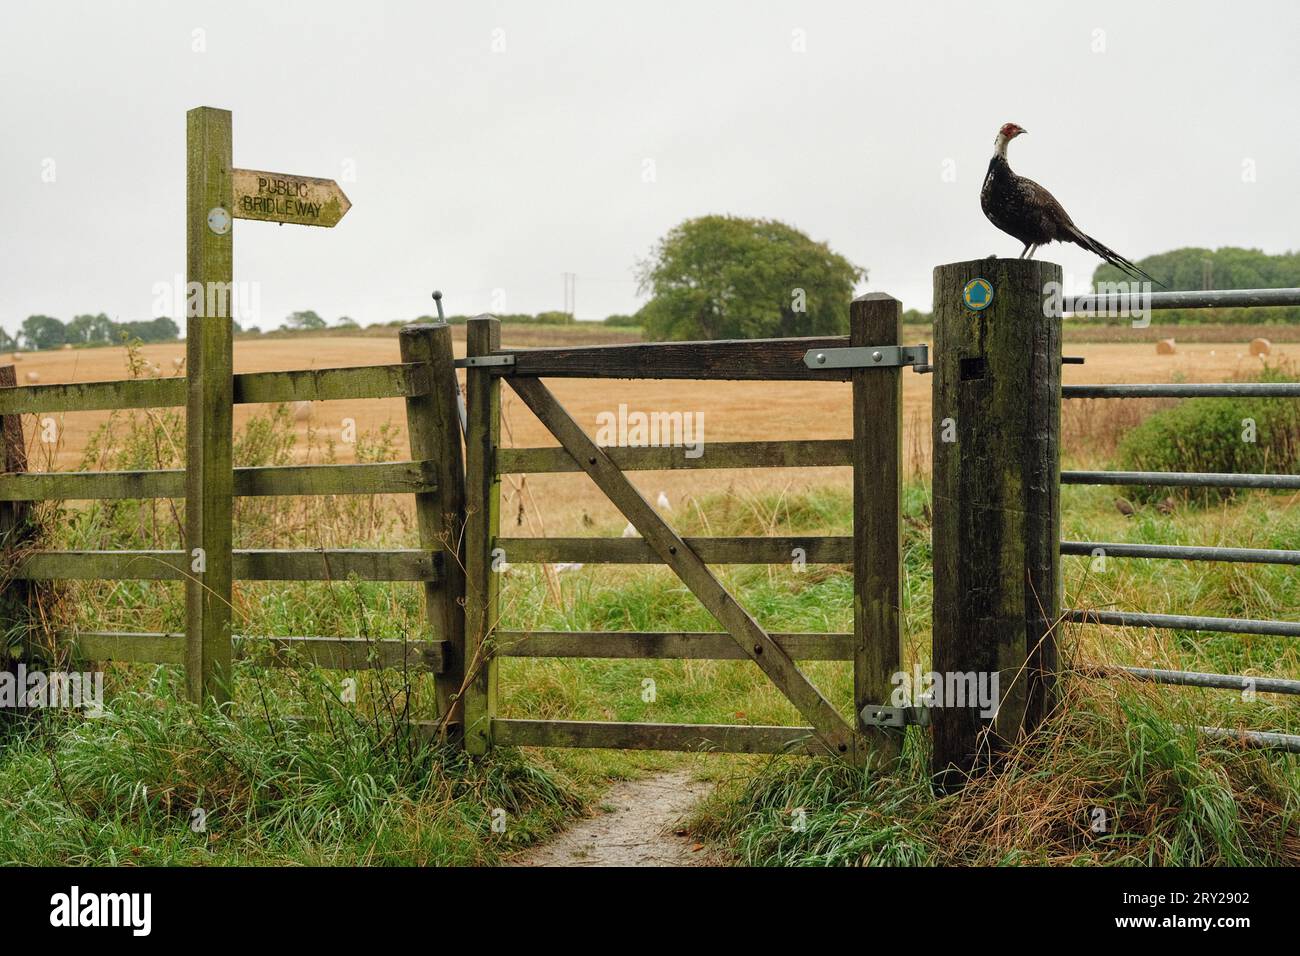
(216, 195)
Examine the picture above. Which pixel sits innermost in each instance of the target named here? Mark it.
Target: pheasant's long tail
(1114, 258)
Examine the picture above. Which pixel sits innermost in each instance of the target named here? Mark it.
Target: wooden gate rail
(874, 549)
(815, 453)
(745, 550)
(668, 645)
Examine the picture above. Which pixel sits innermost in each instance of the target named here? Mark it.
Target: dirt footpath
(635, 829)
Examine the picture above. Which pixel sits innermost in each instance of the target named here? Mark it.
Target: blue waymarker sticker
(977, 295)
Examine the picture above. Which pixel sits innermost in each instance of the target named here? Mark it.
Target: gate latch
(877, 715)
(869, 356)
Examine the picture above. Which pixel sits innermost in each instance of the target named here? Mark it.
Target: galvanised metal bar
(1254, 738)
(1184, 622)
(1263, 685)
(1196, 479)
(1177, 552)
(1208, 299)
(1186, 390)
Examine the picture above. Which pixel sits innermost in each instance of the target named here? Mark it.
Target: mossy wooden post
(433, 423)
(877, 319)
(482, 524)
(996, 539)
(209, 476)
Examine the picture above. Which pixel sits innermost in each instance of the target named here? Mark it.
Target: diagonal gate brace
(834, 732)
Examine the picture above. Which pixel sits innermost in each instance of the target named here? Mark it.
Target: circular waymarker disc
(219, 220)
(977, 295)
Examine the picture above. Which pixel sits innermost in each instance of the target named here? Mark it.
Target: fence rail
(427, 381)
(310, 385)
(1208, 299)
(1241, 298)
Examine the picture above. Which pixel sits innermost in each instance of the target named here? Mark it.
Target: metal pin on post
(460, 396)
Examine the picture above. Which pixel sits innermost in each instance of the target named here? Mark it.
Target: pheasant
(1022, 208)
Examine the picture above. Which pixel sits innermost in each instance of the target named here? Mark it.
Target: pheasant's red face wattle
(1011, 130)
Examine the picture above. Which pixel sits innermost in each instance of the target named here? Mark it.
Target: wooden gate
(873, 550)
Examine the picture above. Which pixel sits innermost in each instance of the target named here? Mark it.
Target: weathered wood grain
(302, 385)
(377, 478)
(817, 549)
(433, 423)
(877, 319)
(331, 384)
(767, 360)
(996, 502)
(818, 453)
(482, 525)
(666, 645)
(209, 407)
(94, 396)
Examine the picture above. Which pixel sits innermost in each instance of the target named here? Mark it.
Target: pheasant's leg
(1023, 251)
(1032, 250)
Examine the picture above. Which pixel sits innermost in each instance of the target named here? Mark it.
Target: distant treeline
(1192, 269)
(523, 318)
(47, 332)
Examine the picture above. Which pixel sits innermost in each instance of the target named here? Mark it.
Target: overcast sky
(494, 146)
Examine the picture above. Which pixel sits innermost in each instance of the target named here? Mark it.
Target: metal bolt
(821, 358)
(876, 356)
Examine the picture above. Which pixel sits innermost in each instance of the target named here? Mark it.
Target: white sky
(479, 170)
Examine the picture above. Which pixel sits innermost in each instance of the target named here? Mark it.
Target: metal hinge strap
(878, 715)
(869, 356)
(480, 361)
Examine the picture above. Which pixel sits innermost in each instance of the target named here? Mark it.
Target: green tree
(43, 332)
(90, 329)
(346, 322)
(300, 321)
(1192, 268)
(730, 277)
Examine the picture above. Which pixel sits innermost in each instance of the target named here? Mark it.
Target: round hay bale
(301, 411)
(1165, 347)
(1260, 346)
(17, 356)
(178, 362)
(33, 377)
(67, 345)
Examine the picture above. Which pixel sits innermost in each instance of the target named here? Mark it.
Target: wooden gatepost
(996, 540)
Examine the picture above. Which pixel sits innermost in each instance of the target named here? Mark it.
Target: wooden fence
(425, 379)
(997, 581)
